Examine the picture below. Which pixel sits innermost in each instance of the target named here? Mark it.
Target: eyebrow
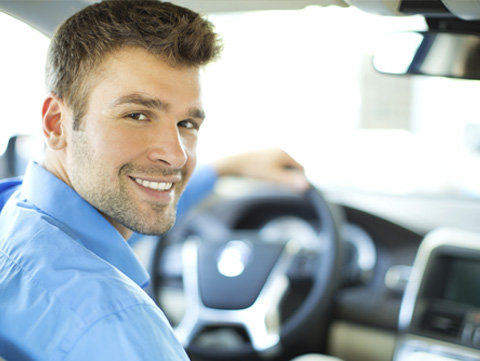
(154, 103)
(197, 113)
(140, 99)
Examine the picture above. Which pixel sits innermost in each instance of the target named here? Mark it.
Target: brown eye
(188, 124)
(138, 116)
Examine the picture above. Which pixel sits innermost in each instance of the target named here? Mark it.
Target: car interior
(380, 259)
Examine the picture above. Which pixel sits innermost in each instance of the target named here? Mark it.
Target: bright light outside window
(303, 80)
(21, 72)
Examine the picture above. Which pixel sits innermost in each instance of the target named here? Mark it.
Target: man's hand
(271, 164)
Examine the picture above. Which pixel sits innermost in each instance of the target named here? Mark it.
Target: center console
(440, 312)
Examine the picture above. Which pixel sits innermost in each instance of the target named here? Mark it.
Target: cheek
(189, 145)
(115, 148)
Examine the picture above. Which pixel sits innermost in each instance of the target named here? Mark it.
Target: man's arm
(273, 164)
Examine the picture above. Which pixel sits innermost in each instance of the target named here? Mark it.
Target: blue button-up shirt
(70, 285)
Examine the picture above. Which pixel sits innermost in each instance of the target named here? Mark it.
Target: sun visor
(379, 7)
(464, 9)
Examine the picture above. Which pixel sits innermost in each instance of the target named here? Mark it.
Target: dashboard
(376, 261)
(441, 320)
(414, 298)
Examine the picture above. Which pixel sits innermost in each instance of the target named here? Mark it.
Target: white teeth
(157, 186)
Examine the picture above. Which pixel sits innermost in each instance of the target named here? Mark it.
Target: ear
(54, 114)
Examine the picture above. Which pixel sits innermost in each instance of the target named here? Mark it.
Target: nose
(168, 147)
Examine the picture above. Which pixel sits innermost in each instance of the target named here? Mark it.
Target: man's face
(135, 149)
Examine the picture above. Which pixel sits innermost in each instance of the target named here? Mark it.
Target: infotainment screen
(462, 283)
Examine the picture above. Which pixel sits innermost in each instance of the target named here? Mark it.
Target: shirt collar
(58, 200)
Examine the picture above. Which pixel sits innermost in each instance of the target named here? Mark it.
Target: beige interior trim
(351, 342)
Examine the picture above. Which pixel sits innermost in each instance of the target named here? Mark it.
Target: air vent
(443, 322)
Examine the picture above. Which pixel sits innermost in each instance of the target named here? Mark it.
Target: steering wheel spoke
(260, 320)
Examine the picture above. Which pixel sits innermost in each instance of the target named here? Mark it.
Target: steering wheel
(242, 280)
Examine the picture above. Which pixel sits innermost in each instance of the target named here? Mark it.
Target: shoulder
(58, 297)
(109, 319)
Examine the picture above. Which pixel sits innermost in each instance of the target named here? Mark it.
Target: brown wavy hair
(175, 34)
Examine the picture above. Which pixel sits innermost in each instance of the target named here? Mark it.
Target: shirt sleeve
(138, 333)
(200, 186)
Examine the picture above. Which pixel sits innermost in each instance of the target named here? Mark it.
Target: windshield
(303, 80)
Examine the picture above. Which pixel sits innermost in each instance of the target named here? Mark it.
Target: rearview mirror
(430, 53)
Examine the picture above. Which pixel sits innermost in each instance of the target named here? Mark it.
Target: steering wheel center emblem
(234, 258)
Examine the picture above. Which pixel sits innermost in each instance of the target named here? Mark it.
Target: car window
(303, 80)
(22, 79)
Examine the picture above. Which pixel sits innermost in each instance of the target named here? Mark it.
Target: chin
(155, 227)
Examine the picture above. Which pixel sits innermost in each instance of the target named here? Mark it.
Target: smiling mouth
(156, 186)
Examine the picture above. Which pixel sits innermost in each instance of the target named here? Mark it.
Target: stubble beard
(111, 196)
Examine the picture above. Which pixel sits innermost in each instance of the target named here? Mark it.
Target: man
(120, 122)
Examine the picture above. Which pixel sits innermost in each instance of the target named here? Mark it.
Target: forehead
(134, 71)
